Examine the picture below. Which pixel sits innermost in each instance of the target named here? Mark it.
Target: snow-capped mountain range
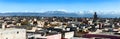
(63, 14)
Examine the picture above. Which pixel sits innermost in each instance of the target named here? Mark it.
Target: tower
(95, 17)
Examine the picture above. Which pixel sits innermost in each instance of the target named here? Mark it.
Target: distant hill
(58, 13)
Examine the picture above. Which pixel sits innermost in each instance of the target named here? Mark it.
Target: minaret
(95, 17)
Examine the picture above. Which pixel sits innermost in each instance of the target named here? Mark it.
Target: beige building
(12, 33)
(40, 23)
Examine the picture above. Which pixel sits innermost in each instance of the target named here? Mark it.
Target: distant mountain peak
(55, 12)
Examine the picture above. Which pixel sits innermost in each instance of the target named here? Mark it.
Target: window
(6, 38)
(17, 32)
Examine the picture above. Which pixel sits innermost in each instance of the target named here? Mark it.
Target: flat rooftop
(8, 29)
(107, 33)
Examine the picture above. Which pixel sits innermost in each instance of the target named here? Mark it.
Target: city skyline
(58, 5)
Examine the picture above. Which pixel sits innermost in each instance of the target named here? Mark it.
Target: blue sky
(60, 5)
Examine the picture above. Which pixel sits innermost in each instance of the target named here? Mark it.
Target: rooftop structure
(12, 33)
